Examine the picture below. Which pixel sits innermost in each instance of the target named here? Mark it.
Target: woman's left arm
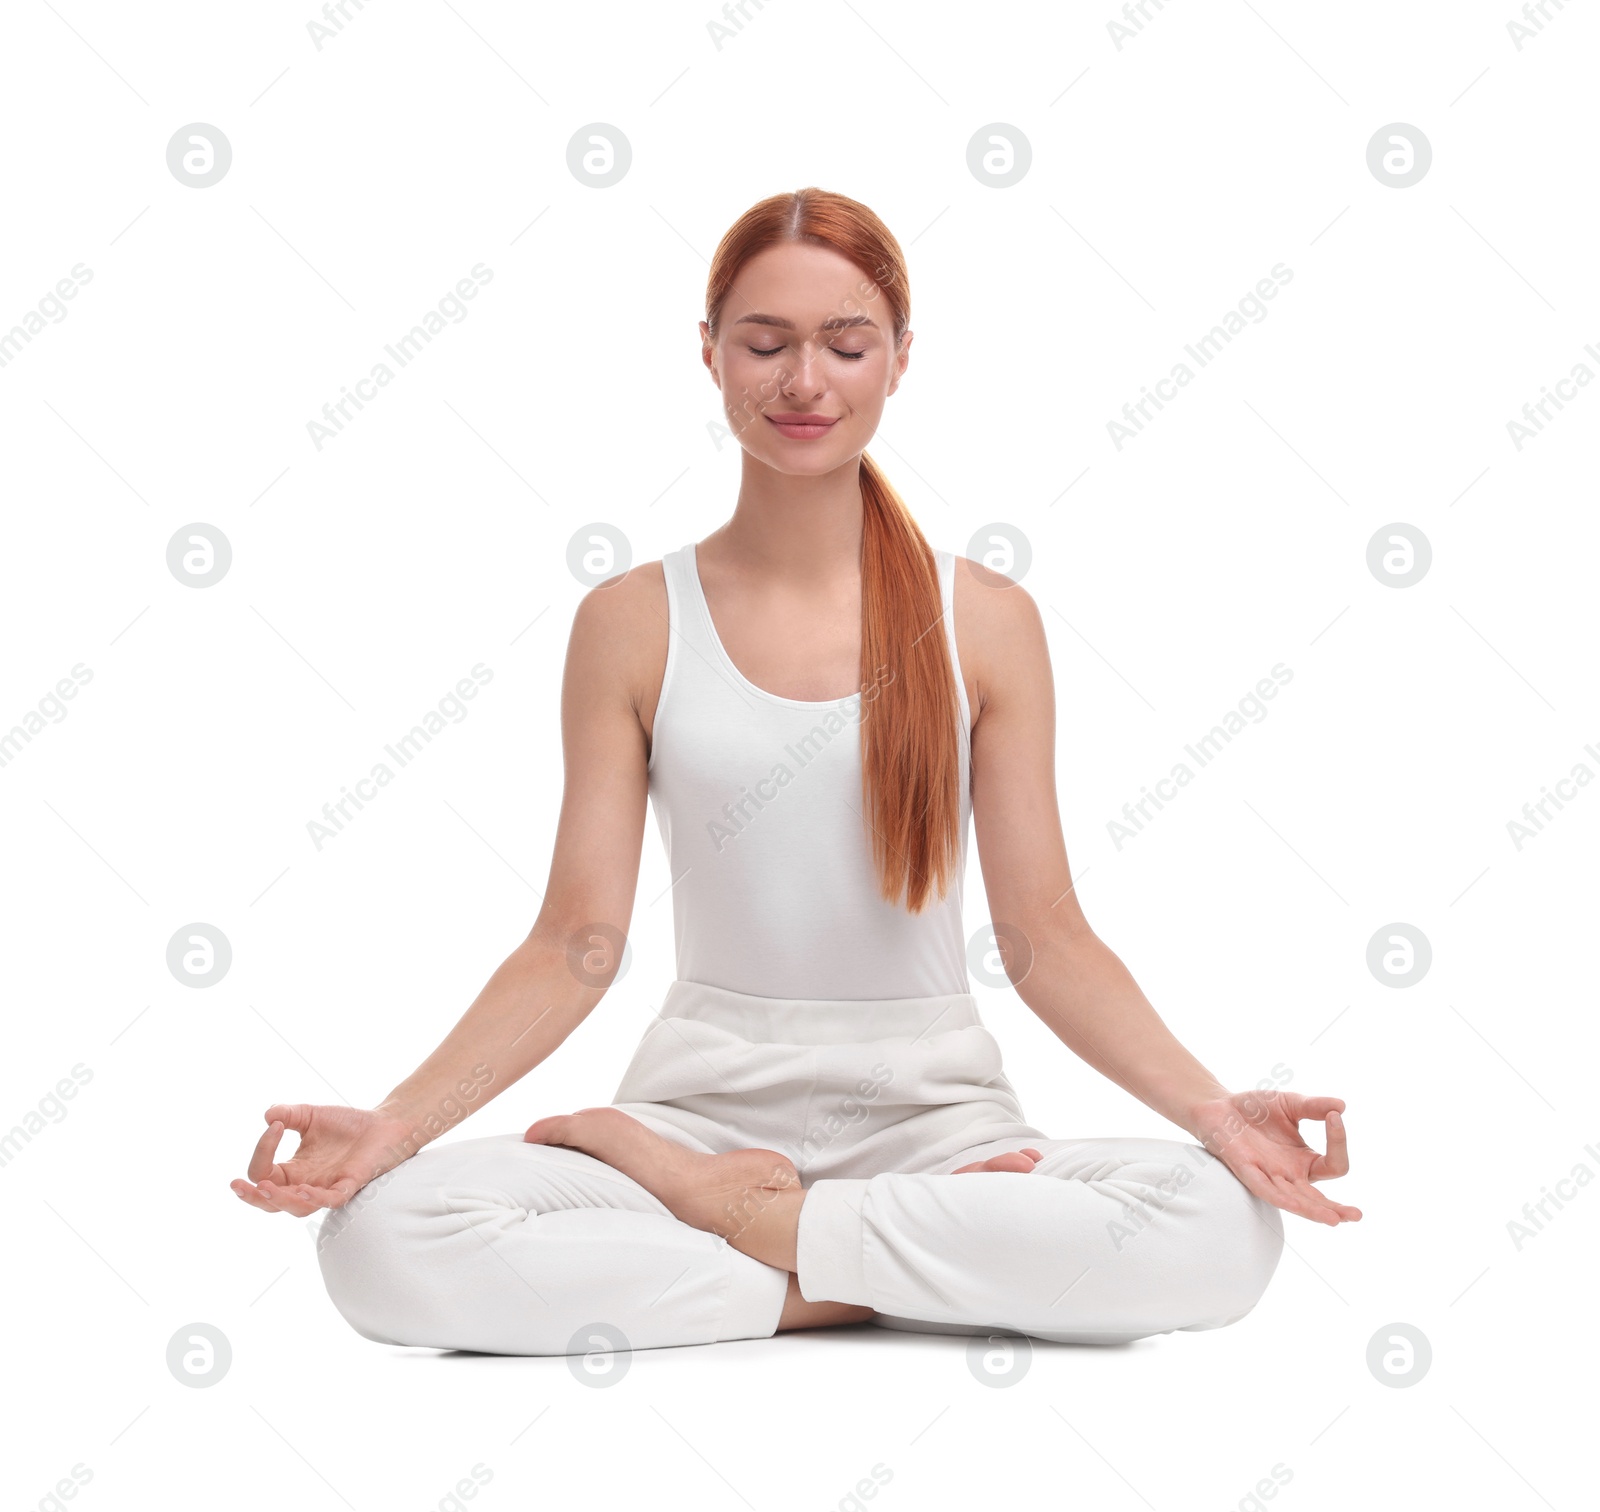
(1071, 978)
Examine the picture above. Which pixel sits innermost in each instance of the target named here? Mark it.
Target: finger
(1317, 1107)
(321, 1197)
(1298, 1197)
(286, 1200)
(247, 1193)
(296, 1116)
(1338, 1212)
(1337, 1160)
(276, 1196)
(261, 1162)
(1291, 1201)
(1289, 1177)
(1284, 1192)
(269, 1195)
(1029, 1150)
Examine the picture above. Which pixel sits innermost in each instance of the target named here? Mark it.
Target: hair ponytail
(911, 714)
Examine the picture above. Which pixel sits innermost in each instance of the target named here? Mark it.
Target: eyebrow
(834, 323)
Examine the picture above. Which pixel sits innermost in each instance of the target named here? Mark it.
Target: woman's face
(804, 332)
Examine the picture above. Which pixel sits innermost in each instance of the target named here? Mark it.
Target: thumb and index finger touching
(1299, 1107)
(1335, 1160)
(279, 1116)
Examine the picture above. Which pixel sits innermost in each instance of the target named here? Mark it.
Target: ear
(902, 357)
(708, 353)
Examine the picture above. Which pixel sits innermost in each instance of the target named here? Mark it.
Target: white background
(1167, 177)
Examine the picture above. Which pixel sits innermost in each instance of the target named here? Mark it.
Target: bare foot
(744, 1196)
(1013, 1160)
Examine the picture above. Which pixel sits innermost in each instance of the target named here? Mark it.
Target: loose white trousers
(510, 1248)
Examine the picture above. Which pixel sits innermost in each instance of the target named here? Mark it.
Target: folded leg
(511, 1248)
(1104, 1241)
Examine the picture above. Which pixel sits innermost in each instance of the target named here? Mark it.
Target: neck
(802, 527)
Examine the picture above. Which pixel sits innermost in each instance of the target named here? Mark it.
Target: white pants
(510, 1248)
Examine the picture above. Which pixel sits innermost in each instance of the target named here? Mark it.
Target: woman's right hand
(341, 1149)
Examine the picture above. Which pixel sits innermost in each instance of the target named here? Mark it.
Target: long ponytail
(910, 763)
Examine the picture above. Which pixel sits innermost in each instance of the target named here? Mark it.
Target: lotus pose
(818, 703)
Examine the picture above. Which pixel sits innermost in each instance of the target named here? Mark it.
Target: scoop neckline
(728, 662)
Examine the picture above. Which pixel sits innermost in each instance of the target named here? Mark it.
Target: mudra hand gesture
(341, 1149)
(1256, 1135)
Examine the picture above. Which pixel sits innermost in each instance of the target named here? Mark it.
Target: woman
(781, 1149)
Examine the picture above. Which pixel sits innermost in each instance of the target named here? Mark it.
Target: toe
(545, 1130)
(1012, 1160)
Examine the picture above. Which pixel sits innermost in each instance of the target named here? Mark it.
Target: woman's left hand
(1256, 1135)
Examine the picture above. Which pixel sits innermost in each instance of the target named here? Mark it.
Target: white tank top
(759, 803)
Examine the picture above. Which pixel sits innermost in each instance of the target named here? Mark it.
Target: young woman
(815, 700)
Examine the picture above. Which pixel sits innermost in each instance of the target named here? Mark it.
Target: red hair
(910, 772)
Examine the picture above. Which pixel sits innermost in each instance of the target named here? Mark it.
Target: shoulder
(999, 628)
(626, 598)
(620, 626)
(991, 604)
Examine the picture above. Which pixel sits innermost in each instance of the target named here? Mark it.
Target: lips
(801, 427)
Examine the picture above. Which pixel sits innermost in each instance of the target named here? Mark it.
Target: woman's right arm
(548, 985)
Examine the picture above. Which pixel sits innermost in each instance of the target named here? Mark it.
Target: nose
(805, 378)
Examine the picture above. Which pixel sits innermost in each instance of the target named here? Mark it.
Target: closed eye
(773, 352)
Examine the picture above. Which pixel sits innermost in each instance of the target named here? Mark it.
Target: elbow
(588, 953)
(1046, 949)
